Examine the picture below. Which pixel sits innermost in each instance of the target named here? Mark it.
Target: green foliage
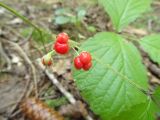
(56, 102)
(151, 44)
(25, 32)
(91, 28)
(46, 35)
(122, 12)
(105, 86)
(62, 11)
(156, 95)
(81, 12)
(60, 20)
(65, 15)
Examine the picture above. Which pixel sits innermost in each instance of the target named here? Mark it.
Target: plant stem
(51, 52)
(23, 18)
(75, 51)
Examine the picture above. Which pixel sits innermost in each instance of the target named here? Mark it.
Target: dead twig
(153, 68)
(68, 95)
(135, 31)
(3, 54)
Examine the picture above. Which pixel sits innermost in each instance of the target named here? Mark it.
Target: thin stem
(51, 52)
(72, 42)
(19, 15)
(75, 51)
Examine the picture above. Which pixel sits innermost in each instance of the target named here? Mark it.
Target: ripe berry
(62, 38)
(85, 57)
(87, 66)
(46, 60)
(61, 48)
(77, 63)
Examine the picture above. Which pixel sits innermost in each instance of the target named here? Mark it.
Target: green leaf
(60, 20)
(156, 95)
(122, 12)
(109, 94)
(145, 111)
(81, 14)
(151, 44)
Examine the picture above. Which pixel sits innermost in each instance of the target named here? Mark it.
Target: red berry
(77, 63)
(87, 66)
(62, 38)
(85, 58)
(61, 48)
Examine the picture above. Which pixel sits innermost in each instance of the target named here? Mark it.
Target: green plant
(65, 16)
(116, 86)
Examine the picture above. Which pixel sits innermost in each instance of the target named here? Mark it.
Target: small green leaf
(81, 14)
(151, 44)
(73, 19)
(122, 12)
(56, 102)
(62, 11)
(106, 89)
(91, 28)
(60, 20)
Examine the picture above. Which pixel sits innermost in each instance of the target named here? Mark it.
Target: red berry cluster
(61, 45)
(84, 60)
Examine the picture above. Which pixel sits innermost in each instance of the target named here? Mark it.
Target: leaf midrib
(122, 15)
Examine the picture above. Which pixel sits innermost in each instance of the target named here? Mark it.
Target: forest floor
(21, 46)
